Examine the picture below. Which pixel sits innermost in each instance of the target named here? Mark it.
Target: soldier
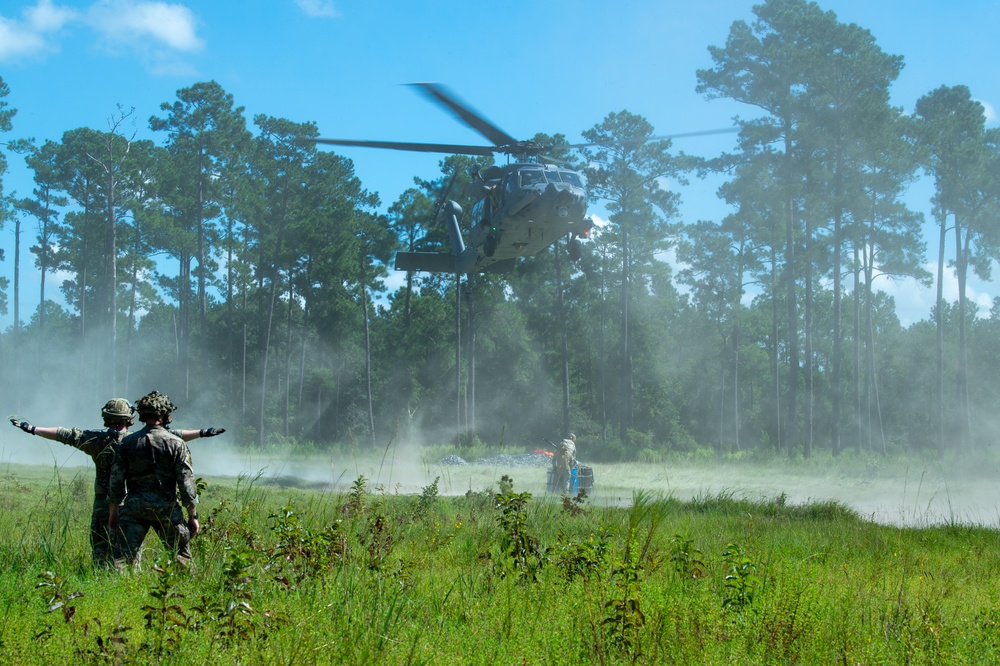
(562, 462)
(152, 465)
(100, 445)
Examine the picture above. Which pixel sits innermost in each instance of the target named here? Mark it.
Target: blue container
(574, 480)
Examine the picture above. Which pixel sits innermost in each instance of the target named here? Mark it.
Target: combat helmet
(117, 411)
(154, 405)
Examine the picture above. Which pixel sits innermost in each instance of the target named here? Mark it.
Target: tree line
(247, 273)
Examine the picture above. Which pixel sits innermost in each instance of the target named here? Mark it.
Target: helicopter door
(480, 211)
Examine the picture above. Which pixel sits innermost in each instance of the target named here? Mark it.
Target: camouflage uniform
(153, 464)
(563, 461)
(100, 445)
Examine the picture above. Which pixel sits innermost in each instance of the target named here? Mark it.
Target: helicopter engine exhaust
(460, 260)
(452, 212)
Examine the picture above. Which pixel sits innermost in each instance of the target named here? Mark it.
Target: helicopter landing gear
(490, 245)
(575, 248)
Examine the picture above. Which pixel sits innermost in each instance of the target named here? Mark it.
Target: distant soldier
(153, 465)
(562, 463)
(100, 445)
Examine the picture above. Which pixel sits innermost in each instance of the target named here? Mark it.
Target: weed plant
(494, 576)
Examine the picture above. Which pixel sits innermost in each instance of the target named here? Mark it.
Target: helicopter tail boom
(439, 262)
(432, 262)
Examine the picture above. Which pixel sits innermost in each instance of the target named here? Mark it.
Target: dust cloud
(882, 490)
(885, 491)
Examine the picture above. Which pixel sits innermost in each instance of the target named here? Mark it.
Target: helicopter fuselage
(525, 210)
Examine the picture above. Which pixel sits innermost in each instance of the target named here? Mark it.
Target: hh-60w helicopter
(522, 207)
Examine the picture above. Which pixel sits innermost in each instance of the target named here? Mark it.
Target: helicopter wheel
(575, 249)
(490, 245)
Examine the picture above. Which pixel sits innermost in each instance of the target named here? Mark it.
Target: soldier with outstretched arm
(151, 470)
(100, 445)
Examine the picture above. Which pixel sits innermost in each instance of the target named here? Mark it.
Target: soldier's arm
(116, 493)
(187, 489)
(188, 435)
(46, 433)
(184, 474)
(54, 433)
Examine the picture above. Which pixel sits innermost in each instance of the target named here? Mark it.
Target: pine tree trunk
(368, 365)
(625, 419)
(838, 343)
(458, 359)
(962, 271)
(810, 380)
(939, 334)
(564, 351)
(857, 351)
(775, 361)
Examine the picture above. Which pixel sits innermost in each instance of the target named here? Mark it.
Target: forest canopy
(246, 272)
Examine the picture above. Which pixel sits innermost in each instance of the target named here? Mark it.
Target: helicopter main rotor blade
(664, 137)
(724, 130)
(439, 94)
(449, 149)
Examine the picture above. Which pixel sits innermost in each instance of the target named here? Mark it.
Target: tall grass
(494, 576)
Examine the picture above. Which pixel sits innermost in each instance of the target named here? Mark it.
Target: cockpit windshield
(571, 177)
(531, 177)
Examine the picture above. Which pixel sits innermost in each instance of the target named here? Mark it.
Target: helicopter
(521, 207)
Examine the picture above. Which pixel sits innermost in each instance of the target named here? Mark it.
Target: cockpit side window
(552, 176)
(571, 177)
(531, 177)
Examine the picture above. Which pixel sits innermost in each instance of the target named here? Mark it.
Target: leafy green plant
(300, 553)
(107, 648)
(378, 541)
(357, 498)
(506, 485)
(524, 549)
(165, 616)
(741, 581)
(53, 589)
(584, 559)
(686, 558)
(574, 506)
(110, 647)
(232, 618)
(625, 617)
(426, 500)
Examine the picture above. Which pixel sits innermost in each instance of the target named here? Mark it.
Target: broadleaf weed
(741, 580)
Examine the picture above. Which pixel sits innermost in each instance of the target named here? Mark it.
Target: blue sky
(556, 66)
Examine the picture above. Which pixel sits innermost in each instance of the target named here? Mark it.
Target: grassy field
(384, 562)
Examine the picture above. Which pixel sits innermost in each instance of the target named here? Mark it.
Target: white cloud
(158, 32)
(915, 302)
(47, 17)
(171, 26)
(989, 111)
(318, 8)
(31, 35)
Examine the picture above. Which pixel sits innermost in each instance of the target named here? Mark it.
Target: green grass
(496, 573)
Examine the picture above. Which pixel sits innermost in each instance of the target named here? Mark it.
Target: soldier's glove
(23, 425)
(211, 432)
